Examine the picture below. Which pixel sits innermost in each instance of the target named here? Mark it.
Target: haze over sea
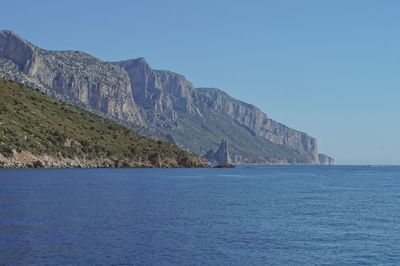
(273, 215)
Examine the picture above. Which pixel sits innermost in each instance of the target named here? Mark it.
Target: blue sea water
(297, 215)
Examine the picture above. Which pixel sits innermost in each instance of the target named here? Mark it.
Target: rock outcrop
(220, 156)
(72, 76)
(326, 160)
(160, 104)
(26, 159)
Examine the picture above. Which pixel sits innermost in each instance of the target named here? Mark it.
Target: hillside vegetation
(47, 132)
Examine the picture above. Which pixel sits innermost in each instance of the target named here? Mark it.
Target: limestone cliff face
(257, 122)
(69, 75)
(161, 103)
(159, 94)
(220, 156)
(17, 50)
(168, 99)
(326, 160)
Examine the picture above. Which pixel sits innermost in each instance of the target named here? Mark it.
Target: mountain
(159, 104)
(198, 118)
(38, 131)
(73, 76)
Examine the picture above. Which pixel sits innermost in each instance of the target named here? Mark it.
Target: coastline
(26, 159)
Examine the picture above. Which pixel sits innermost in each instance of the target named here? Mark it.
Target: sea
(250, 215)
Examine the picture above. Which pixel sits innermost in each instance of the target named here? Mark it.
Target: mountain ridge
(38, 131)
(159, 103)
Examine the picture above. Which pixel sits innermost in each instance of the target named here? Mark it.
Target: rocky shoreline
(26, 159)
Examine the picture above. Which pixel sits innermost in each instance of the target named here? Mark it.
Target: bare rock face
(169, 102)
(163, 104)
(69, 75)
(220, 156)
(159, 94)
(214, 100)
(326, 160)
(17, 50)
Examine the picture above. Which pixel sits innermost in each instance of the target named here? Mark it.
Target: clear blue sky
(329, 68)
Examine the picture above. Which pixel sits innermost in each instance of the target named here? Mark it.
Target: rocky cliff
(160, 104)
(72, 76)
(171, 104)
(38, 131)
(220, 156)
(326, 160)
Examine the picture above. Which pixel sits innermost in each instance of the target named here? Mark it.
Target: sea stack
(220, 157)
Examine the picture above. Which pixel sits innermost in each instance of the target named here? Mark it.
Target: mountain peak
(136, 61)
(141, 60)
(17, 49)
(8, 34)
